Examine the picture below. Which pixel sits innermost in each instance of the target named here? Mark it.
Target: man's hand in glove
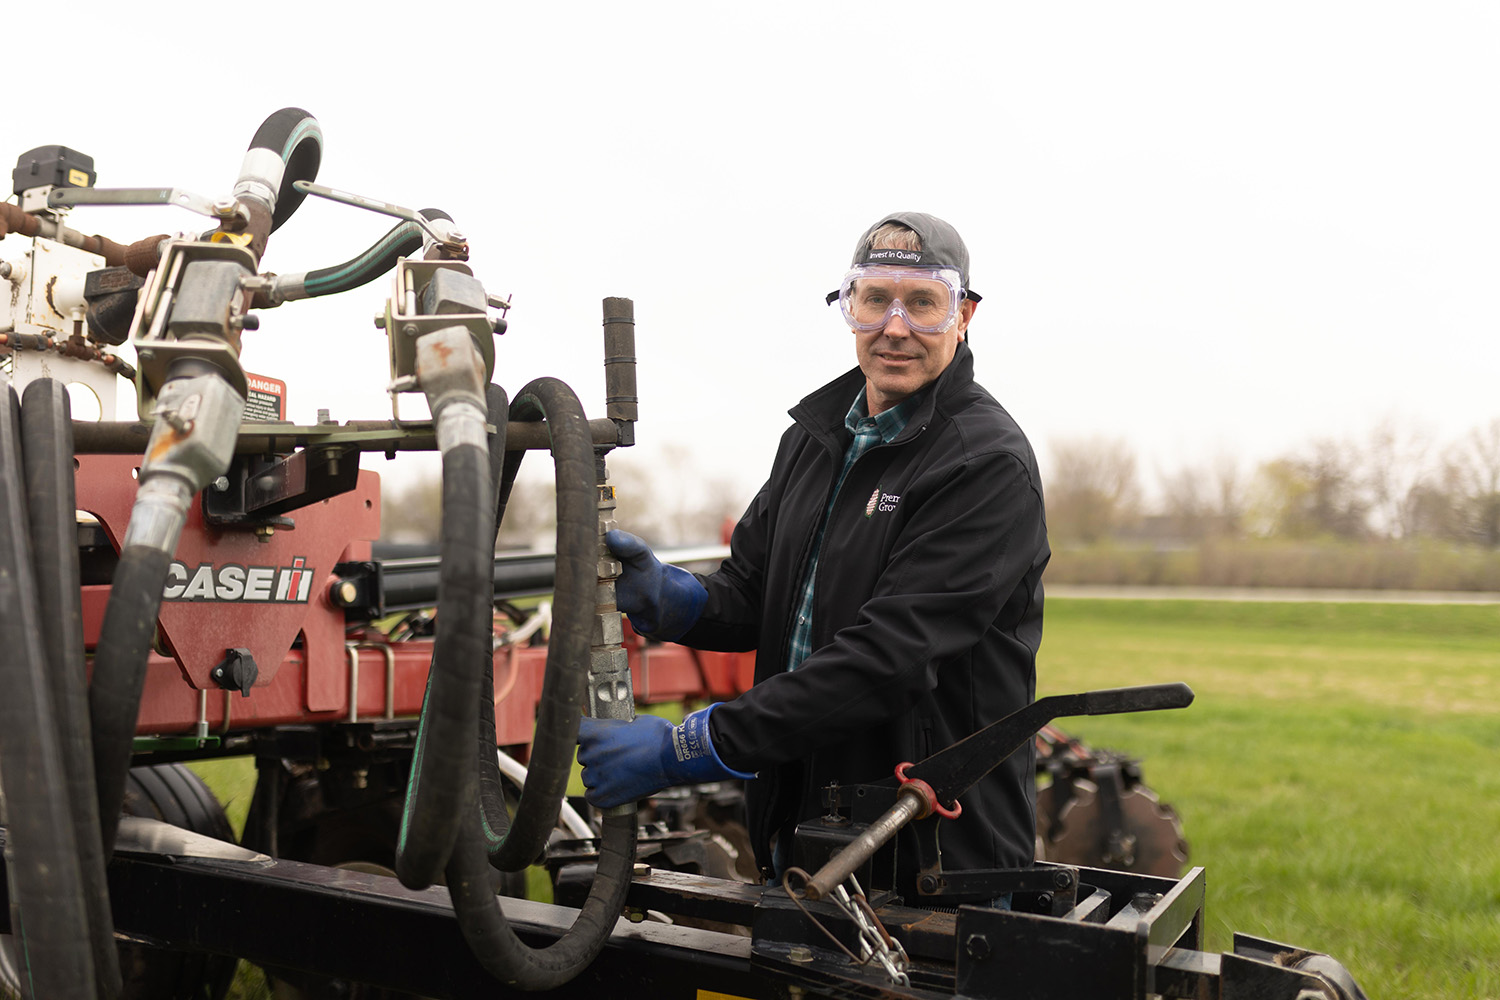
(625, 761)
(662, 601)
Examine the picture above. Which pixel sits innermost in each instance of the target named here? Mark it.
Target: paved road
(1299, 595)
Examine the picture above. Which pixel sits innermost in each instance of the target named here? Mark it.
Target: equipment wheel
(174, 794)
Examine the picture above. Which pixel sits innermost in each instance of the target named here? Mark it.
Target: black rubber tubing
(403, 240)
(443, 758)
(489, 934)
(47, 446)
(295, 136)
(494, 818)
(120, 674)
(565, 684)
(45, 881)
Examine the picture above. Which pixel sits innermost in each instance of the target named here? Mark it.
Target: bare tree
(1091, 489)
(667, 501)
(1230, 502)
(1204, 501)
(1397, 476)
(1475, 473)
(1311, 496)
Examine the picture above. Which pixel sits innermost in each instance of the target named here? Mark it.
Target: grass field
(1338, 774)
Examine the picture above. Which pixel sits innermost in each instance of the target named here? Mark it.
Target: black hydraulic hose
(443, 758)
(295, 137)
(120, 674)
(494, 818)
(489, 934)
(286, 148)
(47, 896)
(403, 240)
(565, 685)
(47, 445)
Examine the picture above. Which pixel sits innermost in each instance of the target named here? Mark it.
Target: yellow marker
(78, 178)
(711, 995)
(238, 239)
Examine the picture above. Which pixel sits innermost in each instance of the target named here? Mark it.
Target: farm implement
(204, 581)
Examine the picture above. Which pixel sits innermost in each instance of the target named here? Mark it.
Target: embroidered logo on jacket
(883, 502)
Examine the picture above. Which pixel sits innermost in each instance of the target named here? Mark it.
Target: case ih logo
(244, 584)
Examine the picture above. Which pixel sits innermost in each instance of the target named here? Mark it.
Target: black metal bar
(372, 929)
(952, 771)
(127, 438)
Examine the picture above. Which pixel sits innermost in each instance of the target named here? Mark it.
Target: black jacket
(928, 612)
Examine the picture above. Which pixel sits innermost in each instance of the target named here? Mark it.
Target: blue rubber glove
(625, 761)
(663, 601)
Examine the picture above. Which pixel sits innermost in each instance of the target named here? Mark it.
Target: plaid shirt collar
(888, 422)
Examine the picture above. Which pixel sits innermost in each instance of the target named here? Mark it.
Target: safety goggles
(925, 298)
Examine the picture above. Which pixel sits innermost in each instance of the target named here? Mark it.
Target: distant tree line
(1395, 485)
(666, 501)
(1393, 510)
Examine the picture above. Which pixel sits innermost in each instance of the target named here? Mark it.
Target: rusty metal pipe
(140, 256)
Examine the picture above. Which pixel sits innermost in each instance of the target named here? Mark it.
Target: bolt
(978, 947)
(345, 593)
(635, 916)
(263, 532)
(410, 329)
(146, 355)
(927, 884)
(800, 954)
(323, 416)
(224, 208)
(5, 269)
(454, 236)
(380, 321)
(1062, 878)
(640, 869)
(221, 484)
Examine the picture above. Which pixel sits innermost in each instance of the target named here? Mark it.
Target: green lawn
(1338, 774)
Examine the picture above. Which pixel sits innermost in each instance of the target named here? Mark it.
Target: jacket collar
(822, 411)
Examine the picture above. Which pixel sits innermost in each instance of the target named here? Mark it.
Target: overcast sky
(1198, 228)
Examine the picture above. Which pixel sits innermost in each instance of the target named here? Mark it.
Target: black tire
(174, 794)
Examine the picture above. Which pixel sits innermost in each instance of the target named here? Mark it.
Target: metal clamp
(353, 649)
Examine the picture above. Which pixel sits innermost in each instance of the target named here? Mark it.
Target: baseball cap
(942, 247)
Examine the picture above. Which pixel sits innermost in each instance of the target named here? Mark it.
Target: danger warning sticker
(267, 398)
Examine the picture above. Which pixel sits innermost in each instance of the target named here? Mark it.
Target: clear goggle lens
(927, 299)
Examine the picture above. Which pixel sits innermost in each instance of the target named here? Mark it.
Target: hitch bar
(939, 780)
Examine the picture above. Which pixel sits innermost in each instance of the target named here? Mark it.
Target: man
(888, 573)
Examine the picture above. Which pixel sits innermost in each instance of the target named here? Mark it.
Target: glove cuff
(692, 750)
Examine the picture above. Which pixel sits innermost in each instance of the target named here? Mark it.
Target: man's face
(897, 360)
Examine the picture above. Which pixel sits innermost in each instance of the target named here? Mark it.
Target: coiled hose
(565, 685)
(47, 886)
(444, 755)
(482, 840)
(286, 148)
(455, 702)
